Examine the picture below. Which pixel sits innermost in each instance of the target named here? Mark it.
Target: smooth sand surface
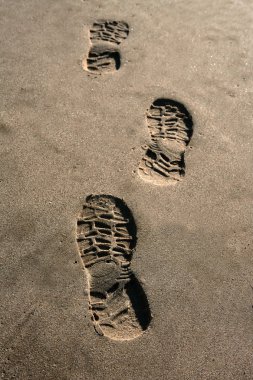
(66, 134)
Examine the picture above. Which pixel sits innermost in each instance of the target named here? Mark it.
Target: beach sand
(67, 133)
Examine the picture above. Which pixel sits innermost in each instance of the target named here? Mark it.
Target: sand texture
(126, 190)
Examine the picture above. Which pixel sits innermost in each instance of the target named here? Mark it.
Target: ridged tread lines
(110, 31)
(106, 240)
(170, 128)
(104, 55)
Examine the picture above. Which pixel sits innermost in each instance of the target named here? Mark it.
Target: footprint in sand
(104, 54)
(170, 126)
(106, 238)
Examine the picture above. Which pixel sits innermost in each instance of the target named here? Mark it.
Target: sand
(66, 134)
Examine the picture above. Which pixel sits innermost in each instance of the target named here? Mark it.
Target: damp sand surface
(75, 120)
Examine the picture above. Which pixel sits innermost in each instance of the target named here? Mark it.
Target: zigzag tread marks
(106, 238)
(104, 55)
(170, 126)
(110, 31)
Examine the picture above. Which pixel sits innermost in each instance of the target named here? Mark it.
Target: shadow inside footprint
(170, 126)
(103, 59)
(139, 302)
(104, 54)
(106, 237)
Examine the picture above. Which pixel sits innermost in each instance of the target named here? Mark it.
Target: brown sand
(66, 134)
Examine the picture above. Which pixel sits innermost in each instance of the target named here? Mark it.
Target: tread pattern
(110, 31)
(106, 237)
(104, 55)
(103, 59)
(170, 127)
